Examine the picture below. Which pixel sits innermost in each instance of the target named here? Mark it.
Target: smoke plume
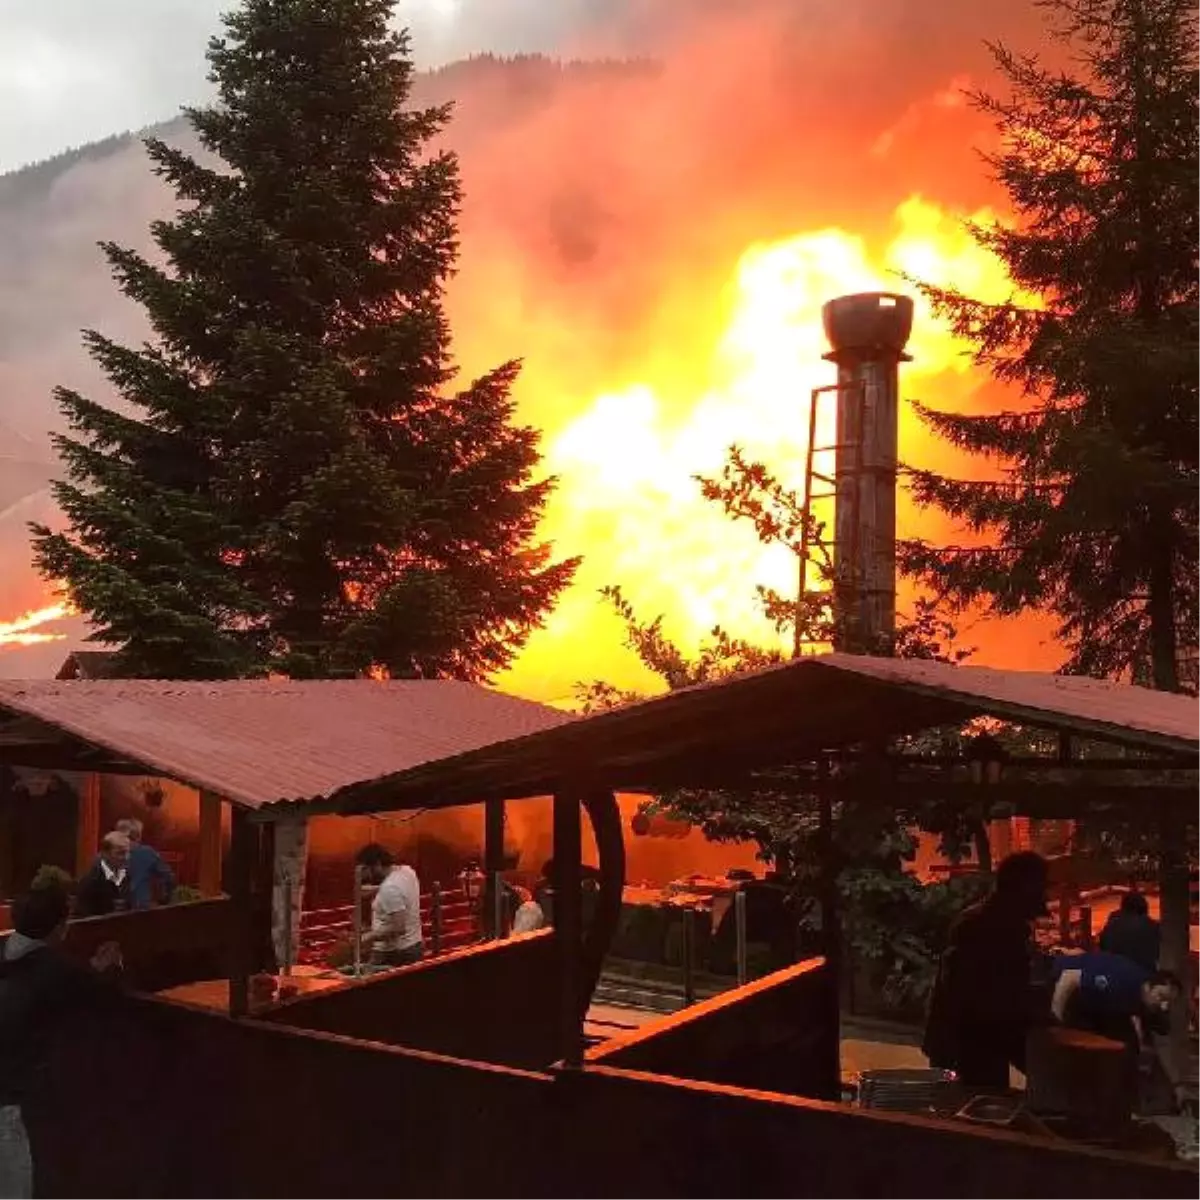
(612, 214)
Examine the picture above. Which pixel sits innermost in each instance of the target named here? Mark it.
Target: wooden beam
(493, 862)
(1175, 919)
(210, 844)
(568, 924)
(46, 757)
(243, 859)
(87, 829)
(831, 943)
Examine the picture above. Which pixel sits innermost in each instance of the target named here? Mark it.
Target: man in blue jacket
(150, 879)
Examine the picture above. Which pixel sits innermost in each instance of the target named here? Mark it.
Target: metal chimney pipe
(867, 334)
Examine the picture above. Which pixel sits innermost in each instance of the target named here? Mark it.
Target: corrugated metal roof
(784, 714)
(255, 742)
(1099, 703)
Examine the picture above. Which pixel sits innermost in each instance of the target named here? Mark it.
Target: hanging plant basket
(153, 795)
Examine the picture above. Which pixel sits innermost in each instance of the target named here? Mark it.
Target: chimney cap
(869, 323)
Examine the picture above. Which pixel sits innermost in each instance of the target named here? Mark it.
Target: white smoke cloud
(75, 71)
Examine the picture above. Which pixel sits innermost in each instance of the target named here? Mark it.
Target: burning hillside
(655, 239)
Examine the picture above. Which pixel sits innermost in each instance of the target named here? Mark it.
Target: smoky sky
(74, 71)
(760, 119)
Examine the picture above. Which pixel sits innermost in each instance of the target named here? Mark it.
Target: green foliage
(1095, 514)
(890, 920)
(183, 894)
(294, 481)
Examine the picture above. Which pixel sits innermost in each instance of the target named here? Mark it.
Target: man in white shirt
(394, 939)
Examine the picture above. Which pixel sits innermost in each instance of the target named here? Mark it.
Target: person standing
(104, 887)
(984, 1001)
(151, 881)
(1133, 933)
(40, 988)
(395, 938)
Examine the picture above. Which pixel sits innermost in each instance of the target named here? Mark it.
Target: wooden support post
(493, 864)
(568, 923)
(1175, 917)
(210, 844)
(831, 937)
(87, 842)
(243, 859)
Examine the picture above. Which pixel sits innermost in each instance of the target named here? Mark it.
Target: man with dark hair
(1133, 933)
(395, 938)
(1119, 999)
(40, 987)
(984, 1001)
(1112, 995)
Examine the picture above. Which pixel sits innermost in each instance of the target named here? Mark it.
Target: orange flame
(627, 498)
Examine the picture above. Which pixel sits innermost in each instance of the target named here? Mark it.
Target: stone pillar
(290, 863)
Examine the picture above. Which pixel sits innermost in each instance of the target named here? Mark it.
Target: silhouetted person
(40, 989)
(104, 887)
(1133, 933)
(984, 1002)
(151, 881)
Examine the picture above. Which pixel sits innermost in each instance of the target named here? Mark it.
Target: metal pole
(289, 899)
(499, 924)
(739, 924)
(435, 918)
(356, 919)
(689, 957)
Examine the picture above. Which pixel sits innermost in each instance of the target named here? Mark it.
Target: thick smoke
(604, 207)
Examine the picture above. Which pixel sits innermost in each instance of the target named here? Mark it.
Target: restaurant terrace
(470, 1074)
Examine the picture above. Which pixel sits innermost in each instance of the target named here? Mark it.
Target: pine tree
(1095, 515)
(295, 485)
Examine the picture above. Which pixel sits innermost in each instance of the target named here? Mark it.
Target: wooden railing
(448, 922)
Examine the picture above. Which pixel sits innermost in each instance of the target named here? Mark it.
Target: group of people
(993, 988)
(127, 874)
(395, 937)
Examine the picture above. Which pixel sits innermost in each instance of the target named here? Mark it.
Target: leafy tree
(293, 483)
(891, 921)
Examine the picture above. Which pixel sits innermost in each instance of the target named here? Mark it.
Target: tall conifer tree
(293, 482)
(1096, 518)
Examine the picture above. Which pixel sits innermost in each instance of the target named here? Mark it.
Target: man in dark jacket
(104, 887)
(984, 1001)
(151, 881)
(1133, 933)
(40, 988)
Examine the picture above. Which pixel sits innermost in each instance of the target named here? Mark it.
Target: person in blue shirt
(150, 879)
(1111, 995)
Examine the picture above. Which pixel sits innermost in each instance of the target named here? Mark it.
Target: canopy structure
(787, 714)
(812, 711)
(256, 742)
